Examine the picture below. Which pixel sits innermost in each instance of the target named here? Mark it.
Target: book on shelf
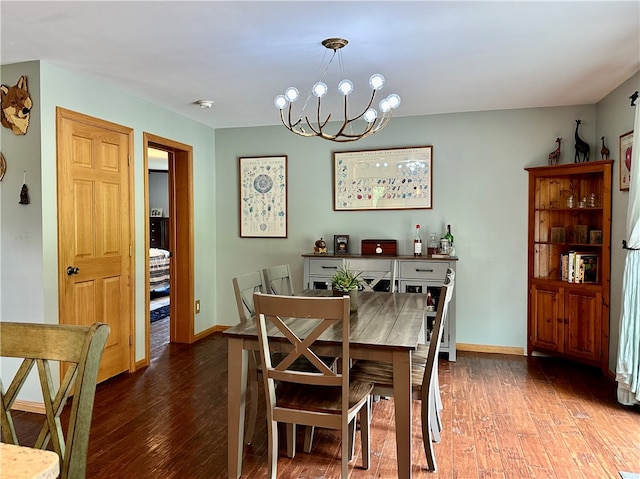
(579, 267)
(589, 267)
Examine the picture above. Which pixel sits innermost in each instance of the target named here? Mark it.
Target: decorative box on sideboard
(405, 274)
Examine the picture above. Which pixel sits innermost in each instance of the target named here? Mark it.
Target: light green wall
(479, 187)
(51, 87)
(616, 117)
(21, 251)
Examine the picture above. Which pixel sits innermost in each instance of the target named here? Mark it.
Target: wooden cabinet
(405, 274)
(569, 212)
(159, 232)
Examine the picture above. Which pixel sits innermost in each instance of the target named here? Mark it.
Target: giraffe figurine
(604, 152)
(555, 154)
(582, 147)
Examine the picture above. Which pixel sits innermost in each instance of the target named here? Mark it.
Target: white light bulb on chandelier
(280, 102)
(385, 105)
(394, 100)
(376, 81)
(320, 89)
(291, 94)
(370, 115)
(345, 87)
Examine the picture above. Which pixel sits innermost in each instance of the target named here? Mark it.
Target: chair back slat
(446, 293)
(243, 287)
(278, 280)
(324, 312)
(80, 348)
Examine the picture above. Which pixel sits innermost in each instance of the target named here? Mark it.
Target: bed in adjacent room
(158, 268)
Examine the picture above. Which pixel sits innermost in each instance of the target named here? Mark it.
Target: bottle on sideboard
(449, 237)
(432, 245)
(417, 243)
(446, 242)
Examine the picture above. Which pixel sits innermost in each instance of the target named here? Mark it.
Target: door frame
(181, 329)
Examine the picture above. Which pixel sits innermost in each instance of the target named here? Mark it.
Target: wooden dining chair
(322, 397)
(243, 287)
(424, 364)
(278, 280)
(80, 349)
(420, 356)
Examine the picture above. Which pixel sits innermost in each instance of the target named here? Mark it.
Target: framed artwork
(341, 244)
(626, 143)
(156, 212)
(393, 179)
(263, 197)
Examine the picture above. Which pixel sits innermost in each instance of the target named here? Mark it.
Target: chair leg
(438, 401)
(291, 440)
(434, 420)
(365, 429)
(346, 449)
(253, 380)
(253, 409)
(427, 438)
(272, 455)
(352, 438)
(308, 438)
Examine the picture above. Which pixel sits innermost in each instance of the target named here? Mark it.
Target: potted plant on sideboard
(346, 281)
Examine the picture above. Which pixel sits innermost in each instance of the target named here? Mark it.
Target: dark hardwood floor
(504, 417)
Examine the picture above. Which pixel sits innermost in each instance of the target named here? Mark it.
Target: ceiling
(440, 57)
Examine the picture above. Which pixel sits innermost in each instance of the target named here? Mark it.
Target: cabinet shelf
(557, 282)
(572, 210)
(570, 245)
(565, 318)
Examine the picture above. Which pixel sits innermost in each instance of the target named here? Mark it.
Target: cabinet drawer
(319, 282)
(427, 270)
(324, 267)
(370, 264)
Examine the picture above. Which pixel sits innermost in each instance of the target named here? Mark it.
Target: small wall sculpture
(16, 106)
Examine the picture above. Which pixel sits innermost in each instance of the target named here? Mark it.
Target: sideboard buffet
(406, 274)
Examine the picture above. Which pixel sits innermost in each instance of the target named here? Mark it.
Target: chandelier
(372, 121)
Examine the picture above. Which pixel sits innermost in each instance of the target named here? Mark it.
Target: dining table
(22, 462)
(385, 327)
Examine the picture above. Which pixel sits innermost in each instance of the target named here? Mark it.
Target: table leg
(402, 399)
(236, 401)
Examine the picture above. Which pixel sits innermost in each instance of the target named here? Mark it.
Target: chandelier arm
(347, 121)
(291, 128)
(321, 125)
(316, 132)
(289, 124)
(372, 128)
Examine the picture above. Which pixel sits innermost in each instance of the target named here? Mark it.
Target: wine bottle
(449, 236)
(417, 243)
